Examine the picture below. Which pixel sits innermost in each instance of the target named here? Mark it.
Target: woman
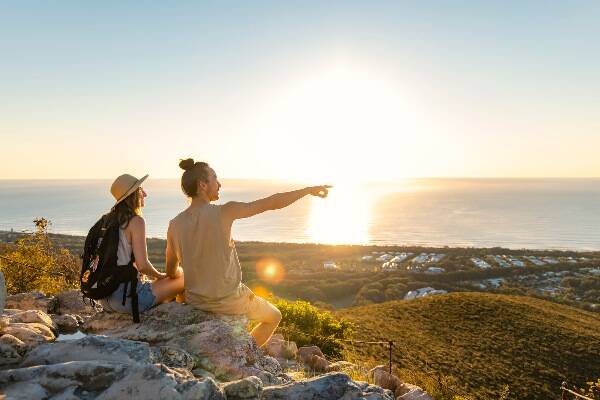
(199, 239)
(127, 212)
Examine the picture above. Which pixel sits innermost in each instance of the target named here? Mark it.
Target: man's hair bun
(187, 164)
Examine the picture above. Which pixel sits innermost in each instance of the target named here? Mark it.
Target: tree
(34, 263)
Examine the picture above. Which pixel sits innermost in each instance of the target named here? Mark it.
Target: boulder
(280, 348)
(413, 392)
(334, 385)
(66, 323)
(306, 352)
(9, 354)
(32, 301)
(318, 364)
(90, 348)
(32, 334)
(105, 380)
(244, 389)
(2, 293)
(381, 377)
(219, 345)
(35, 316)
(71, 302)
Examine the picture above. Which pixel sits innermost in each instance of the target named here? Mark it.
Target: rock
(383, 378)
(413, 392)
(66, 323)
(218, 344)
(280, 348)
(90, 348)
(334, 385)
(32, 301)
(9, 354)
(71, 302)
(36, 316)
(318, 364)
(244, 389)
(32, 334)
(173, 357)
(306, 352)
(2, 293)
(105, 380)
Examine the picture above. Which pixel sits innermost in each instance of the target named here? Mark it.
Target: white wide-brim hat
(124, 185)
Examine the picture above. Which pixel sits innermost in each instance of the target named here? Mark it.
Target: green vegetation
(35, 263)
(483, 342)
(307, 325)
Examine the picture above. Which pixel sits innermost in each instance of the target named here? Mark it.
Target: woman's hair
(128, 208)
(193, 171)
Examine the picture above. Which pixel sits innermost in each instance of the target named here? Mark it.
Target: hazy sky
(319, 91)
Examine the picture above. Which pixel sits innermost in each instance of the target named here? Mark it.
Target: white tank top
(124, 249)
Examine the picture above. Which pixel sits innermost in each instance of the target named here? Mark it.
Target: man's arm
(236, 210)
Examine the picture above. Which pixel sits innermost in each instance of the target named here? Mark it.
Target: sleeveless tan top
(207, 254)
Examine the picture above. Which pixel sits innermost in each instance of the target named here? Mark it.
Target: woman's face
(141, 195)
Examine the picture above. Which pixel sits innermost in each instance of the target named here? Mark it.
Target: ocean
(512, 213)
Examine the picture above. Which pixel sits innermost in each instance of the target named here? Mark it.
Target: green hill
(482, 342)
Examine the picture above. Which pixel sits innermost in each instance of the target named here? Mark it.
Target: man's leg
(268, 317)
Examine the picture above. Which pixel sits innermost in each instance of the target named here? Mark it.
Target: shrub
(307, 325)
(34, 263)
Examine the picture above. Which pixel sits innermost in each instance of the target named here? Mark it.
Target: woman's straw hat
(124, 185)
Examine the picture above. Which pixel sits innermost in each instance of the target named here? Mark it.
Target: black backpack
(100, 275)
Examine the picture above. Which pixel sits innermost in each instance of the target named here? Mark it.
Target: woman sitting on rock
(127, 211)
(199, 239)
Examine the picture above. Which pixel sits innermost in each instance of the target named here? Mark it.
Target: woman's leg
(268, 317)
(167, 288)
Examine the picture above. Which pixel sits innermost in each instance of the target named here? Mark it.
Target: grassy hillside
(484, 341)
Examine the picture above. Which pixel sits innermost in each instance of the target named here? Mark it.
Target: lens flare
(270, 270)
(261, 292)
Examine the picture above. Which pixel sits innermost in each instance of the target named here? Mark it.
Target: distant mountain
(483, 341)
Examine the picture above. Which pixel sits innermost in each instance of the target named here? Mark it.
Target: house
(480, 263)
(423, 292)
(366, 258)
(385, 257)
(389, 266)
(330, 265)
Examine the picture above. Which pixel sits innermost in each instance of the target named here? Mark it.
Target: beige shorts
(261, 310)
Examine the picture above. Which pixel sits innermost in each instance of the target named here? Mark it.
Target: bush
(307, 325)
(34, 263)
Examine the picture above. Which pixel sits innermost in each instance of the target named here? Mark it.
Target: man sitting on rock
(199, 239)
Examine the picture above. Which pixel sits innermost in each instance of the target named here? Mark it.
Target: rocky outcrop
(334, 385)
(219, 345)
(381, 377)
(32, 301)
(176, 352)
(105, 380)
(71, 302)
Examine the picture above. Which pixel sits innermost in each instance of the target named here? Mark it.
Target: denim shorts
(114, 303)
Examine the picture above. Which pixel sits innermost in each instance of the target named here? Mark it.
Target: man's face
(211, 187)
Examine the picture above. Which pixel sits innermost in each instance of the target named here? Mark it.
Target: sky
(304, 91)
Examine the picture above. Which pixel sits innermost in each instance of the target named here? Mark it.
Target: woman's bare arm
(236, 210)
(137, 226)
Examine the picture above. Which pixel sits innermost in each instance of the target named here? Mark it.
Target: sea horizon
(515, 213)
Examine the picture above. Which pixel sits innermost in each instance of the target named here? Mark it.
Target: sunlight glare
(343, 217)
